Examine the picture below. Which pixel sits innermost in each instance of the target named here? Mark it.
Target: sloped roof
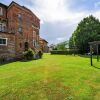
(3, 5)
(23, 7)
(43, 40)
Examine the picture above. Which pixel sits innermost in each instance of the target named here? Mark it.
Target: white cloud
(60, 39)
(97, 14)
(57, 11)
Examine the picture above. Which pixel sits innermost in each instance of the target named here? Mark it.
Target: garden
(54, 77)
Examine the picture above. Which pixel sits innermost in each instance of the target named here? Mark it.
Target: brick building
(19, 30)
(44, 45)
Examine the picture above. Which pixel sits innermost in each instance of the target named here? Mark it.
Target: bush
(29, 54)
(40, 54)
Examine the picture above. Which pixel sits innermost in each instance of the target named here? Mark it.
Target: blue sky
(59, 18)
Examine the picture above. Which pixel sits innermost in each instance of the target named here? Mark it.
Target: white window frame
(1, 11)
(34, 43)
(6, 41)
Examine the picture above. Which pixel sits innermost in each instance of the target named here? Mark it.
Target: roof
(43, 40)
(13, 2)
(94, 42)
(3, 5)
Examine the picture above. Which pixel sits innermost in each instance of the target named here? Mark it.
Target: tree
(72, 42)
(62, 45)
(88, 30)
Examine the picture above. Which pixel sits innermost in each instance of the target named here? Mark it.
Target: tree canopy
(62, 45)
(88, 30)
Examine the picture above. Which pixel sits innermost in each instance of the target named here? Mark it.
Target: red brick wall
(28, 19)
(44, 46)
(4, 16)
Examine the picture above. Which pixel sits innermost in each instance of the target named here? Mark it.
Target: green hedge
(64, 52)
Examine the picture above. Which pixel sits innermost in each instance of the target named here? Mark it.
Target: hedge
(64, 52)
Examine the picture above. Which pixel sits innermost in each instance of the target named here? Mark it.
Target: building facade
(44, 45)
(19, 30)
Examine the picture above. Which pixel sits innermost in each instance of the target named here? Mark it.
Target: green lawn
(55, 77)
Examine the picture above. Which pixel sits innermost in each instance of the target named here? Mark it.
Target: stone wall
(8, 51)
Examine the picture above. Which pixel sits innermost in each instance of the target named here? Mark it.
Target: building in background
(52, 47)
(44, 45)
(19, 30)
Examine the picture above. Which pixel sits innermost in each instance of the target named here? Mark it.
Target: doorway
(26, 46)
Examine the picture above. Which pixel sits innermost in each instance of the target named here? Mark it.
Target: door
(26, 46)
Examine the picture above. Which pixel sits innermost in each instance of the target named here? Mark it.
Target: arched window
(20, 17)
(1, 11)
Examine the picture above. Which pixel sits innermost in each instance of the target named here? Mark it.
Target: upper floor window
(20, 29)
(3, 41)
(20, 17)
(2, 27)
(1, 11)
(20, 45)
(20, 23)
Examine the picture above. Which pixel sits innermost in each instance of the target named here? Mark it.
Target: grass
(55, 77)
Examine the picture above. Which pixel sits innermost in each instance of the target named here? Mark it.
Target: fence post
(91, 55)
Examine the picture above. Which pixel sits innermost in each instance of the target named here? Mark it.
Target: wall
(8, 50)
(29, 24)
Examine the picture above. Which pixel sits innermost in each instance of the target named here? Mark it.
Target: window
(4, 28)
(3, 41)
(20, 19)
(1, 12)
(20, 29)
(0, 27)
(34, 43)
(20, 23)
(19, 16)
(20, 45)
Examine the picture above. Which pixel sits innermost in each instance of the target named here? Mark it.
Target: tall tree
(88, 30)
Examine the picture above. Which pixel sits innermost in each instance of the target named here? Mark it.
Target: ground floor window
(34, 43)
(3, 41)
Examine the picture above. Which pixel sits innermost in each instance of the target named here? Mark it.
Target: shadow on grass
(88, 56)
(94, 58)
(96, 67)
(7, 62)
(23, 60)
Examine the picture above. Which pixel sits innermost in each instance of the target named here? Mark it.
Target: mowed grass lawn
(55, 77)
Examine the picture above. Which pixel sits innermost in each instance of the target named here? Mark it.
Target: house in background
(19, 30)
(52, 47)
(44, 45)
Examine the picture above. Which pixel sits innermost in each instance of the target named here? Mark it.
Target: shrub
(40, 54)
(29, 54)
(64, 52)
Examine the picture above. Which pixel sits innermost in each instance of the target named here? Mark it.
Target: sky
(59, 18)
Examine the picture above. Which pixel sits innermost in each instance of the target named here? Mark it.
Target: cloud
(97, 14)
(59, 18)
(54, 10)
(50, 10)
